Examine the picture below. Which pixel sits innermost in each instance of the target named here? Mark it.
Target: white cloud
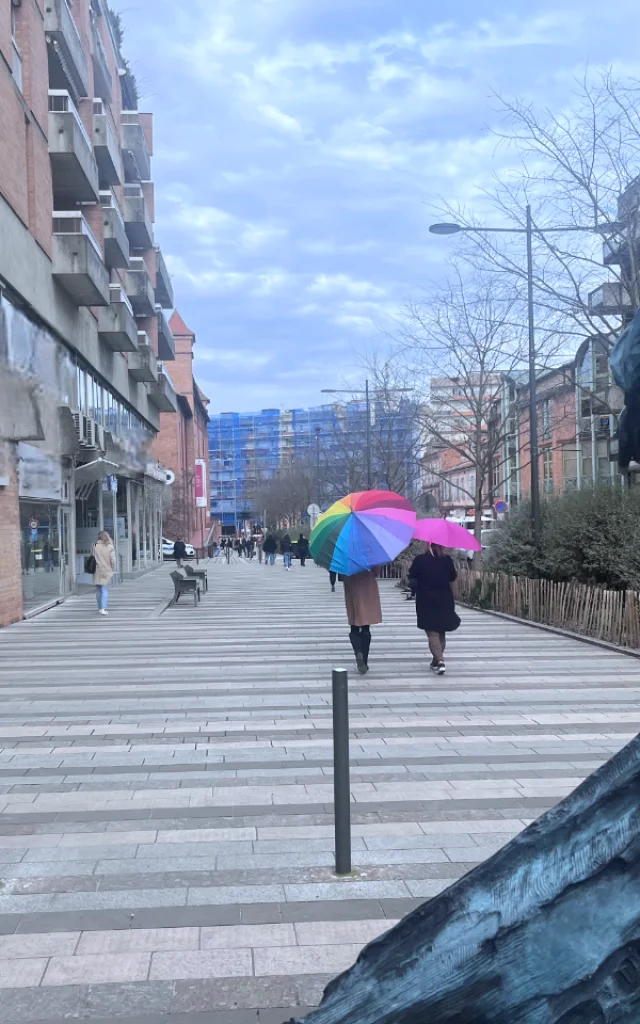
(331, 284)
(284, 122)
(230, 358)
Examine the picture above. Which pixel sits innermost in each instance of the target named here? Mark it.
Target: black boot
(365, 640)
(356, 639)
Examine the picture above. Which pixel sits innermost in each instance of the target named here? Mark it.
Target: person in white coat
(105, 556)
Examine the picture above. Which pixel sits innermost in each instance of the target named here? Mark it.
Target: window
(545, 432)
(16, 59)
(547, 470)
(569, 468)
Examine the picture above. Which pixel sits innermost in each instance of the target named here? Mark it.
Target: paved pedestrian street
(166, 841)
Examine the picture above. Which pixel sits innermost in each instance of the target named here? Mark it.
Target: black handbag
(90, 564)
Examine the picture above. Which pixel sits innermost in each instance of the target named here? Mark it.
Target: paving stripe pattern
(166, 836)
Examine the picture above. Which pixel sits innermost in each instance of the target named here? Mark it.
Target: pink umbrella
(446, 533)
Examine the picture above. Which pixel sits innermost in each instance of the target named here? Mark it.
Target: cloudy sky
(301, 147)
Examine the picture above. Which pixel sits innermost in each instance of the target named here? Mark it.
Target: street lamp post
(529, 231)
(318, 432)
(367, 398)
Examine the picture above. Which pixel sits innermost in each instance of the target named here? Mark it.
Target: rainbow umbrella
(360, 531)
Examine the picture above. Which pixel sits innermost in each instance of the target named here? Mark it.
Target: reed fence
(612, 615)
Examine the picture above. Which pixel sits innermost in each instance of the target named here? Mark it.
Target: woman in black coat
(430, 579)
(303, 549)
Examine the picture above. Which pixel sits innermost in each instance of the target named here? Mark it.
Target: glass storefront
(42, 553)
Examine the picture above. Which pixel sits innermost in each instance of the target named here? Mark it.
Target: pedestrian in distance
(430, 579)
(332, 580)
(179, 552)
(105, 559)
(303, 549)
(47, 554)
(269, 548)
(286, 548)
(362, 600)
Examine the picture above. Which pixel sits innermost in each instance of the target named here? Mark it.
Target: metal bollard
(341, 786)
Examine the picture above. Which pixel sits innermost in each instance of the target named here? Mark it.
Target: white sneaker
(103, 611)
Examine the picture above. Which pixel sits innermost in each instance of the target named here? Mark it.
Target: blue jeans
(287, 559)
(271, 557)
(102, 595)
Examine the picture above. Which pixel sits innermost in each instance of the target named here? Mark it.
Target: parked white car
(167, 548)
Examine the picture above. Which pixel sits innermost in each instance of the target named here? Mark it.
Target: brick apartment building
(183, 447)
(84, 340)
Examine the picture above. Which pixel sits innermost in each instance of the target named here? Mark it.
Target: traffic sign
(313, 510)
(33, 524)
(501, 506)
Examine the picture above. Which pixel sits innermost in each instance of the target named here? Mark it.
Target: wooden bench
(185, 586)
(200, 574)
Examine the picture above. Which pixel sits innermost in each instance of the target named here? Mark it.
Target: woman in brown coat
(362, 598)
(105, 557)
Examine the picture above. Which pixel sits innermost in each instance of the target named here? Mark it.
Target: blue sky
(301, 147)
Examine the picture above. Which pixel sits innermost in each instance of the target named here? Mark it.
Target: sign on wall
(202, 499)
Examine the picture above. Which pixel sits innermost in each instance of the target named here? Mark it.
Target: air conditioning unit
(93, 436)
(80, 424)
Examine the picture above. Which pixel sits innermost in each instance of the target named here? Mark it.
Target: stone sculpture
(547, 931)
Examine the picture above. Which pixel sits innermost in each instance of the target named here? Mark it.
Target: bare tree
(393, 436)
(571, 166)
(179, 513)
(285, 497)
(459, 347)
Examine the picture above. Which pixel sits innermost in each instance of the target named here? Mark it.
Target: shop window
(39, 552)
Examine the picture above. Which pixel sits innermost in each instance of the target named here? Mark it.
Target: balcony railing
(610, 299)
(60, 102)
(72, 222)
(102, 75)
(118, 294)
(108, 200)
(69, 61)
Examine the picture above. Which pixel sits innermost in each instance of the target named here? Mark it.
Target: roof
(200, 400)
(201, 395)
(179, 327)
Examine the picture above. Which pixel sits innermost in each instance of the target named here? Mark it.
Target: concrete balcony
(77, 260)
(102, 80)
(143, 365)
(164, 288)
(116, 243)
(116, 323)
(73, 168)
(137, 162)
(139, 288)
(623, 248)
(162, 393)
(166, 343)
(610, 299)
(105, 147)
(136, 218)
(66, 56)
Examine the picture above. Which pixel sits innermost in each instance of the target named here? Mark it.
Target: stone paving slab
(166, 831)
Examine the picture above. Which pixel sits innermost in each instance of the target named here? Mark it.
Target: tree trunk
(545, 932)
(477, 526)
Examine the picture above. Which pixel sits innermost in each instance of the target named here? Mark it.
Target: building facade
(246, 449)
(83, 336)
(182, 445)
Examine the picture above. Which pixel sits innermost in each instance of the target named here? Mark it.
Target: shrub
(589, 536)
